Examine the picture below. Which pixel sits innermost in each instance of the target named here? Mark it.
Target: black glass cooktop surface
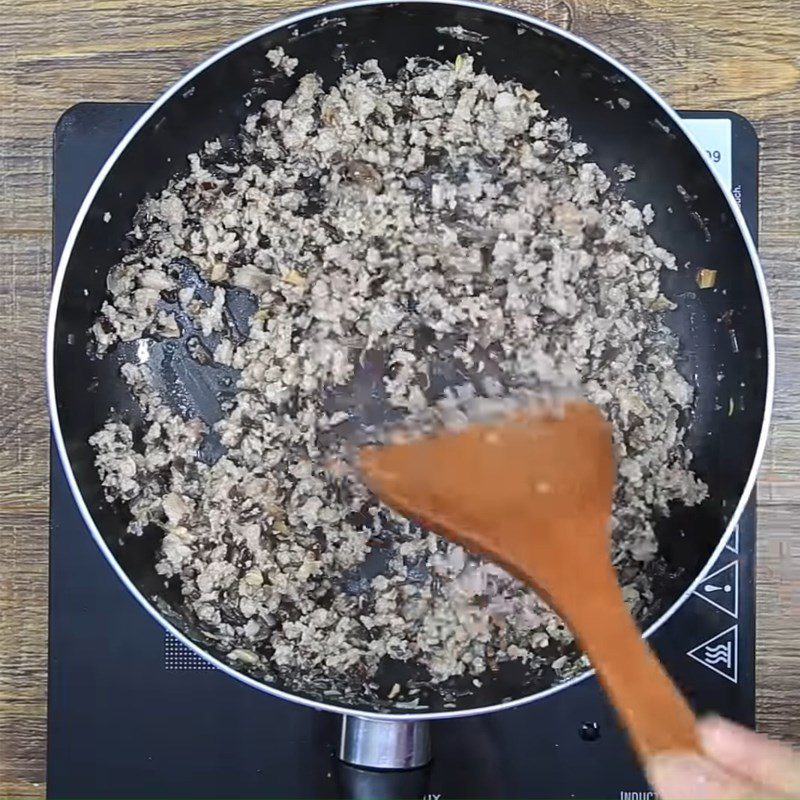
(133, 713)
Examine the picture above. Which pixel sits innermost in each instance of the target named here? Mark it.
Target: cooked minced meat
(410, 245)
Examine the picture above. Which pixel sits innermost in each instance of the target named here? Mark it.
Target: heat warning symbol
(720, 653)
(721, 589)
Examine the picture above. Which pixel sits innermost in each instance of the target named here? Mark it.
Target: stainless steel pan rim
(87, 202)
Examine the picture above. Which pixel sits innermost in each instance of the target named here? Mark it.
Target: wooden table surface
(701, 54)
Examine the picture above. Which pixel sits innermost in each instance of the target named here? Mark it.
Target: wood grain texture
(700, 54)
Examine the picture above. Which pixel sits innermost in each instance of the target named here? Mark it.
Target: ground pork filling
(404, 248)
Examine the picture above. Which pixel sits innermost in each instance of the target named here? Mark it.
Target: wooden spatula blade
(534, 492)
(537, 466)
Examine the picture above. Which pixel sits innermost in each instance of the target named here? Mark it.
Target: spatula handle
(656, 715)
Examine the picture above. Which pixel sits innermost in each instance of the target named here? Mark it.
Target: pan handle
(384, 743)
(383, 758)
(357, 783)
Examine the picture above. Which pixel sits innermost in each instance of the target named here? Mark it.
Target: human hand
(738, 765)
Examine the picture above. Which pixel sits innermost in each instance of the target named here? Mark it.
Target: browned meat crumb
(419, 245)
(626, 172)
(278, 58)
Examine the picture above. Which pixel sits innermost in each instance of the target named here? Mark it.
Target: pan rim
(321, 11)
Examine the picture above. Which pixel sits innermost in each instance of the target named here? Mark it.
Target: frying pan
(725, 332)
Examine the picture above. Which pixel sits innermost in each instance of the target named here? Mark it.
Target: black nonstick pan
(726, 333)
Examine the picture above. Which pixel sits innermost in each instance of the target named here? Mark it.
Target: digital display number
(715, 137)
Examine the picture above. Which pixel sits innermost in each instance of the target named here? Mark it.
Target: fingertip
(677, 775)
(717, 722)
(686, 776)
(712, 728)
(689, 776)
(747, 753)
(720, 736)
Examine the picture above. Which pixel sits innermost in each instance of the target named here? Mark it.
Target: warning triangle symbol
(720, 653)
(733, 542)
(721, 589)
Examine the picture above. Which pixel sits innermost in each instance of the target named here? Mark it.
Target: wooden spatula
(533, 492)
